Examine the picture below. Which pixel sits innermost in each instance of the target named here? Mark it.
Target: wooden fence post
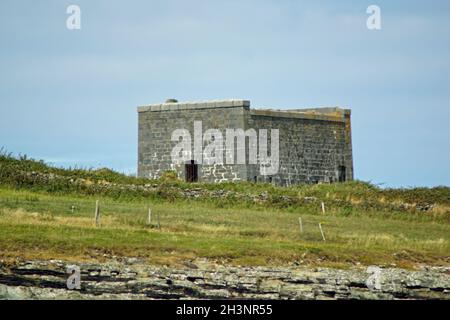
(149, 219)
(97, 214)
(323, 207)
(321, 231)
(301, 224)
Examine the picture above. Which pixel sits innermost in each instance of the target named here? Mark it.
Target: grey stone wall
(314, 143)
(157, 122)
(312, 150)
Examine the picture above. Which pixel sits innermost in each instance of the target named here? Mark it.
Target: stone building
(314, 144)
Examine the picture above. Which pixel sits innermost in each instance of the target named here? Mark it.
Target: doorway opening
(342, 174)
(191, 170)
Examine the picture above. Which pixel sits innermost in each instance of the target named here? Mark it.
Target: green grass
(41, 225)
(363, 224)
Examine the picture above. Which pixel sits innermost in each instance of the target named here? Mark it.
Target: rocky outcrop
(132, 279)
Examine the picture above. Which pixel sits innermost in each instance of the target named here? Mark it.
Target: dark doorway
(191, 170)
(342, 174)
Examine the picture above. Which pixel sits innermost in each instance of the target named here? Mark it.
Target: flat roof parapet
(325, 113)
(173, 106)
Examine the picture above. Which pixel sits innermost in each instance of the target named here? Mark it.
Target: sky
(69, 97)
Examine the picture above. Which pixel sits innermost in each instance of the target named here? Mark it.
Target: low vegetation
(48, 212)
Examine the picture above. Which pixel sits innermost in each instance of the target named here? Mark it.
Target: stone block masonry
(314, 144)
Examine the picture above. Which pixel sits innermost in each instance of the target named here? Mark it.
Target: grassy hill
(48, 212)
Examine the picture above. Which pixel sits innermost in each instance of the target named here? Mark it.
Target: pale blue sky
(70, 97)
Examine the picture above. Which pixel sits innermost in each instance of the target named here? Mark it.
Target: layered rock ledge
(132, 279)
